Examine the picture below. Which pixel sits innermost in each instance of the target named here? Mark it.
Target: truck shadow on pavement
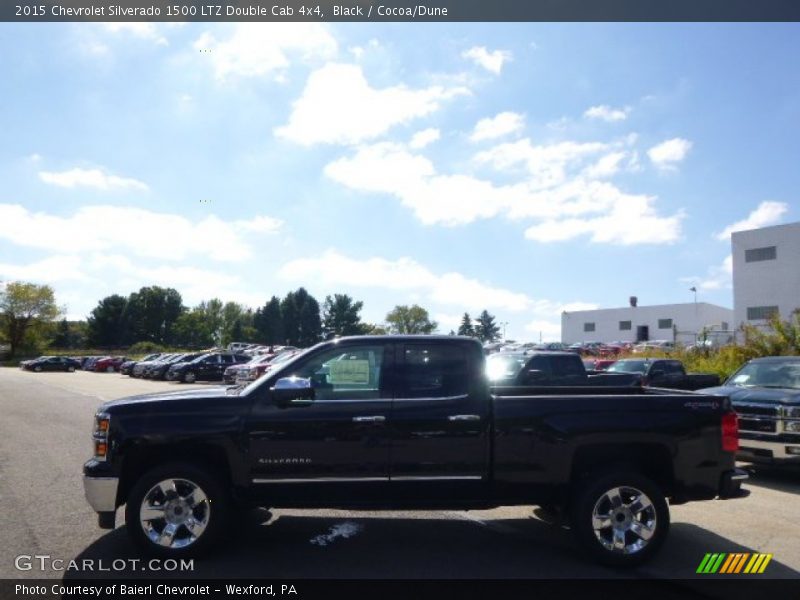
(353, 546)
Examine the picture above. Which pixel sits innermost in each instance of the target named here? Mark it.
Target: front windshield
(767, 374)
(628, 366)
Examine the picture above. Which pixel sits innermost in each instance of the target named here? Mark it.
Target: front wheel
(70, 369)
(189, 377)
(177, 510)
(621, 519)
(110, 369)
(37, 368)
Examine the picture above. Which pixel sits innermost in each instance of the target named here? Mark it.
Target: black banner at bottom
(317, 589)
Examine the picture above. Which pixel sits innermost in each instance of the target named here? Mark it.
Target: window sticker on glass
(741, 378)
(344, 372)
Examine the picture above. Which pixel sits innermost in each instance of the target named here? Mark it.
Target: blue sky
(523, 168)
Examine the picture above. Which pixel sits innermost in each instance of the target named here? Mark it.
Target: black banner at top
(399, 10)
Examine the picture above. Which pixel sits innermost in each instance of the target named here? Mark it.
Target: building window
(755, 313)
(624, 325)
(665, 323)
(588, 327)
(724, 326)
(759, 254)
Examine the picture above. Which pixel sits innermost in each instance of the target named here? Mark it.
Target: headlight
(792, 426)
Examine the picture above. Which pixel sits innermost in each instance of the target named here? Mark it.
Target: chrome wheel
(189, 377)
(174, 513)
(624, 520)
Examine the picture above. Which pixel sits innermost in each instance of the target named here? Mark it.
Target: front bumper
(769, 451)
(101, 493)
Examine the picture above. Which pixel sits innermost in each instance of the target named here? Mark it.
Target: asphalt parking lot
(45, 423)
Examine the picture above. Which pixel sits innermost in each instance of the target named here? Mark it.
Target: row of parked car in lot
(230, 365)
(588, 349)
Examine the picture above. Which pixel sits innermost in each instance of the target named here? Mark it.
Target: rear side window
(567, 365)
(433, 371)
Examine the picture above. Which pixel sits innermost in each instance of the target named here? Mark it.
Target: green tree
(309, 320)
(192, 329)
(106, 325)
(410, 319)
(269, 323)
(340, 316)
(25, 308)
(466, 327)
(62, 337)
(302, 325)
(485, 328)
(151, 314)
(232, 313)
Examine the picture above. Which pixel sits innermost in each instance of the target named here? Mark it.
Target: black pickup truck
(550, 368)
(664, 373)
(765, 393)
(408, 422)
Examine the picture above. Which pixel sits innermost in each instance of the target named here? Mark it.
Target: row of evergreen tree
(157, 315)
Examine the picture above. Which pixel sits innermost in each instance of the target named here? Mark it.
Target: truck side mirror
(292, 391)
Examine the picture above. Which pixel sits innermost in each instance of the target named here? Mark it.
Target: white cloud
(667, 154)
(491, 61)
(546, 194)
(718, 277)
(607, 166)
(145, 31)
(766, 214)
(339, 106)
(404, 274)
(92, 178)
(52, 269)
(132, 230)
(435, 199)
(546, 165)
(500, 125)
(606, 113)
(631, 220)
(258, 49)
(423, 138)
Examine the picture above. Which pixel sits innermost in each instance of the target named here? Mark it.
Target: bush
(145, 348)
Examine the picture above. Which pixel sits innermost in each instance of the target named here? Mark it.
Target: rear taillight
(730, 432)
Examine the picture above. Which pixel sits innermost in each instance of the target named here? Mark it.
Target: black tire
(70, 369)
(216, 510)
(189, 377)
(37, 368)
(641, 541)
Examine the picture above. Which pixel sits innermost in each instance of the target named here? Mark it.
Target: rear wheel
(189, 377)
(177, 510)
(71, 369)
(620, 518)
(37, 368)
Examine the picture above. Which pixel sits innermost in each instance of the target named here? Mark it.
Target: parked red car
(109, 364)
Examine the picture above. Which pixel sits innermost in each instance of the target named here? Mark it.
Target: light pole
(504, 323)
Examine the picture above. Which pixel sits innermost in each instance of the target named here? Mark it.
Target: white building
(673, 322)
(766, 273)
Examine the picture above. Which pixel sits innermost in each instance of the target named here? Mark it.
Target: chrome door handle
(464, 418)
(375, 419)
